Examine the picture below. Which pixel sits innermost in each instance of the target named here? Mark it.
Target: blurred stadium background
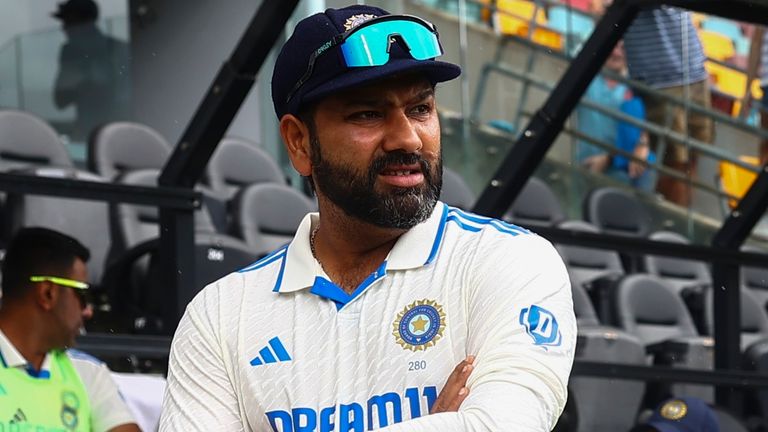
(674, 297)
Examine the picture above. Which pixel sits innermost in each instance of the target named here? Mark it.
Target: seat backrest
(754, 319)
(582, 307)
(536, 205)
(607, 405)
(26, 140)
(456, 191)
(266, 215)
(737, 180)
(85, 220)
(650, 310)
(716, 46)
(727, 421)
(133, 224)
(756, 278)
(616, 211)
(677, 272)
(120, 147)
(587, 264)
(237, 163)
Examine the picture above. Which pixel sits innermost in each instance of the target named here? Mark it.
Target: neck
(349, 249)
(24, 335)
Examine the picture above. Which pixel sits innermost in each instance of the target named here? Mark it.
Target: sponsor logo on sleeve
(541, 325)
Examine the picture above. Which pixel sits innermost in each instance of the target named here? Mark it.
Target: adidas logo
(266, 355)
(19, 417)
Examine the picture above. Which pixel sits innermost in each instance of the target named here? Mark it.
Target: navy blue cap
(330, 73)
(685, 414)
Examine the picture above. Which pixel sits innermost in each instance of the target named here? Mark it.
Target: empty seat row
(248, 209)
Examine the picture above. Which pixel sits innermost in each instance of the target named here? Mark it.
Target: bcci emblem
(69, 406)
(674, 410)
(356, 20)
(541, 325)
(419, 325)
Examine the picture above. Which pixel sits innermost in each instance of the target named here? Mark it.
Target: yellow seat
(717, 46)
(513, 16)
(548, 38)
(736, 180)
(727, 80)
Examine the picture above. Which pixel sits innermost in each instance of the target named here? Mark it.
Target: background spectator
(615, 95)
(664, 51)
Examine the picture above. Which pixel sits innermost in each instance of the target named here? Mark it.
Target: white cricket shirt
(108, 410)
(277, 346)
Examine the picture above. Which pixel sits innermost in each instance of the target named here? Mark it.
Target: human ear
(296, 138)
(46, 295)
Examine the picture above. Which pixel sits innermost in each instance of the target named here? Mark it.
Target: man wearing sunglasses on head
(43, 384)
(359, 322)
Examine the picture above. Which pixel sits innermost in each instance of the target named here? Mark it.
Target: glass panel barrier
(514, 54)
(75, 77)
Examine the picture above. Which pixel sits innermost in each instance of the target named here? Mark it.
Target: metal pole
(547, 123)
(186, 165)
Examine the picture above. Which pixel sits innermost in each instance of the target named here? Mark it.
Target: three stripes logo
(19, 417)
(266, 355)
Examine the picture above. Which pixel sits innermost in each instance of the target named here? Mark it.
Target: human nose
(88, 311)
(403, 134)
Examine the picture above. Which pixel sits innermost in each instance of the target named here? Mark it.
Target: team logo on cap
(419, 325)
(674, 410)
(356, 20)
(541, 325)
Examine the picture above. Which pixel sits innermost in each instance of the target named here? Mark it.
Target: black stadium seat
(456, 191)
(26, 140)
(237, 163)
(616, 211)
(133, 273)
(120, 147)
(266, 215)
(649, 309)
(536, 205)
(677, 272)
(604, 405)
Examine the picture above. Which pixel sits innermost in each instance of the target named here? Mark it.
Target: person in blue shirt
(610, 130)
(632, 139)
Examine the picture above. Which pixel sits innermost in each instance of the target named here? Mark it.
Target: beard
(356, 195)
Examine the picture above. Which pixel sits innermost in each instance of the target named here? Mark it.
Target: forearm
(497, 406)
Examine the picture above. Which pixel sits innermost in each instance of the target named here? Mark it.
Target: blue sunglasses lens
(369, 45)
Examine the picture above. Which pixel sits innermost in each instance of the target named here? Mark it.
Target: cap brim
(435, 71)
(665, 427)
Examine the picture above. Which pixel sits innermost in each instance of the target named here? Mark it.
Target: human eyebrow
(427, 93)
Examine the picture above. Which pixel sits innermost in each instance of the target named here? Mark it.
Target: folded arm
(522, 327)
